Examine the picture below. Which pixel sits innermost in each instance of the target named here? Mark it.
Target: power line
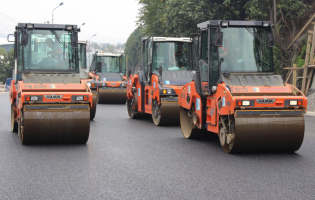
(5, 26)
(10, 17)
(7, 18)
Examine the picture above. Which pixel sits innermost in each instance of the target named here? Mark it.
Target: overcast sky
(112, 20)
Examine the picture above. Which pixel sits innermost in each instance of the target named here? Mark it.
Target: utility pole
(52, 21)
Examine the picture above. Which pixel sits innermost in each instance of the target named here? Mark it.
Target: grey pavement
(134, 159)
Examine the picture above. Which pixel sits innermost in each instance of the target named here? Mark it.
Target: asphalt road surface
(134, 159)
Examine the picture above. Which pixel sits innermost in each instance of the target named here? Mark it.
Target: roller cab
(166, 66)
(49, 101)
(110, 69)
(92, 82)
(235, 93)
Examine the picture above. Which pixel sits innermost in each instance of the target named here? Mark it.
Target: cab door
(122, 64)
(148, 84)
(204, 61)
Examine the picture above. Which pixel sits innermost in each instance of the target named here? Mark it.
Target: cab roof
(169, 39)
(108, 54)
(47, 26)
(232, 23)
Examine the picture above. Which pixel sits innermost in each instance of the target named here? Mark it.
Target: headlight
(68, 27)
(30, 26)
(167, 91)
(224, 23)
(102, 84)
(293, 103)
(265, 24)
(79, 98)
(34, 98)
(243, 103)
(296, 102)
(91, 84)
(123, 84)
(246, 103)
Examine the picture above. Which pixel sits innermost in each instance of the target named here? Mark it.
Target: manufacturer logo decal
(265, 100)
(138, 92)
(53, 96)
(198, 104)
(52, 86)
(256, 89)
(223, 101)
(167, 82)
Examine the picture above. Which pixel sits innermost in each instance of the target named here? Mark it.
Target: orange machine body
(110, 75)
(152, 92)
(236, 94)
(50, 98)
(154, 89)
(21, 95)
(225, 101)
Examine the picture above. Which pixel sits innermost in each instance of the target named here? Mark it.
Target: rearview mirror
(270, 38)
(160, 70)
(99, 66)
(10, 38)
(24, 39)
(150, 67)
(74, 40)
(218, 39)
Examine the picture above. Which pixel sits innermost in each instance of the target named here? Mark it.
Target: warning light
(164, 91)
(93, 84)
(299, 103)
(85, 98)
(28, 98)
(239, 103)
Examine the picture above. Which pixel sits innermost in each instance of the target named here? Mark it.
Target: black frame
(217, 24)
(23, 26)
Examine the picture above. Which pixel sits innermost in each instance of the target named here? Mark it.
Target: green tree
(287, 16)
(2, 51)
(180, 17)
(111, 48)
(133, 48)
(151, 16)
(6, 66)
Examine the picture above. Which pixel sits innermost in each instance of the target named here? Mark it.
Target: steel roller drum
(56, 124)
(93, 108)
(113, 96)
(169, 114)
(282, 133)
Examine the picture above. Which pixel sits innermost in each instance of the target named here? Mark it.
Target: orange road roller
(110, 69)
(49, 101)
(236, 94)
(166, 66)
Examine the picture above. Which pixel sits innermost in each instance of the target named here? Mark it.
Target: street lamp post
(90, 49)
(52, 21)
(82, 25)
